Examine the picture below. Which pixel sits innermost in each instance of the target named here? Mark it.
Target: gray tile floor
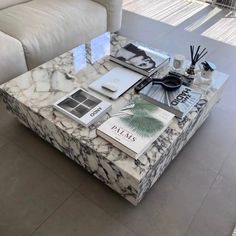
(44, 193)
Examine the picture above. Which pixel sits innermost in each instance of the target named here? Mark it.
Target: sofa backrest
(9, 3)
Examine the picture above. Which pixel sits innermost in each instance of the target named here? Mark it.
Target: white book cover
(135, 127)
(120, 78)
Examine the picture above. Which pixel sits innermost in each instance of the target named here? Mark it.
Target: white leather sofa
(35, 31)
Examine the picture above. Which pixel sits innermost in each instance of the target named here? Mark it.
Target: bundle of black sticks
(197, 55)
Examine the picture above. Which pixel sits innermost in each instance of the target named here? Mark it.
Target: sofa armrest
(114, 13)
(12, 58)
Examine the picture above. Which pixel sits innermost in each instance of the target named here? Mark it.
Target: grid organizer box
(82, 107)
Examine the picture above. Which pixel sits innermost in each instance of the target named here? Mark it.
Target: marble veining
(30, 97)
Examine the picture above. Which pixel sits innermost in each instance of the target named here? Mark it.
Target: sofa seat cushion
(9, 3)
(12, 58)
(47, 29)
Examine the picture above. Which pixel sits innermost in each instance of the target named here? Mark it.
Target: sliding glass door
(223, 3)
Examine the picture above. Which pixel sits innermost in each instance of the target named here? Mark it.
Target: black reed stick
(198, 55)
(191, 51)
(202, 56)
(202, 52)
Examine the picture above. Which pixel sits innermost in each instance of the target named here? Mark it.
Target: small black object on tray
(143, 83)
(208, 66)
(172, 81)
(169, 82)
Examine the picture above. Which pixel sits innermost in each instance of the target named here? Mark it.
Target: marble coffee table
(30, 98)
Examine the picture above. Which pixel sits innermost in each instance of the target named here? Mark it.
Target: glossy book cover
(141, 59)
(179, 102)
(135, 127)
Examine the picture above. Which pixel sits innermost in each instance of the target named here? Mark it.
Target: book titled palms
(179, 102)
(135, 127)
(143, 60)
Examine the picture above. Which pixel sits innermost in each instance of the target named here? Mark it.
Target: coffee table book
(135, 127)
(143, 60)
(82, 107)
(179, 102)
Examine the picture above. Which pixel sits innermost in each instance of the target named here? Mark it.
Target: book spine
(117, 144)
(129, 66)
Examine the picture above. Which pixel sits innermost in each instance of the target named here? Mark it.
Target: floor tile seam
(151, 16)
(198, 36)
(148, 18)
(53, 212)
(4, 145)
(226, 153)
(226, 159)
(206, 26)
(75, 188)
(200, 164)
(106, 212)
(73, 191)
(176, 29)
(224, 156)
(36, 160)
(199, 208)
(192, 21)
(206, 195)
(7, 140)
